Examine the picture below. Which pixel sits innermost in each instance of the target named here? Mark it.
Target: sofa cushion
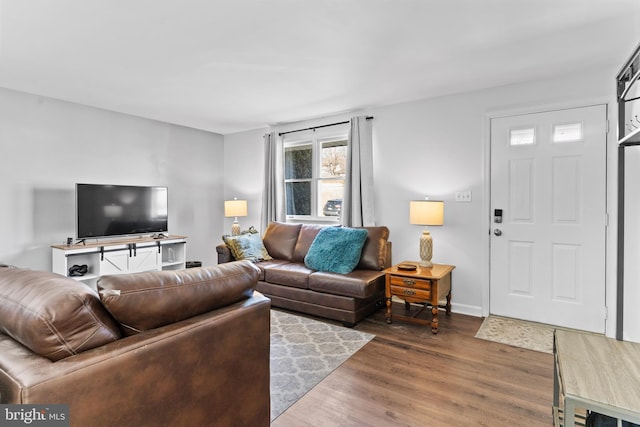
(374, 252)
(305, 296)
(247, 246)
(336, 249)
(290, 274)
(52, 315)
(280, 239)
(148, 300)
(308, 233)
(357, 284)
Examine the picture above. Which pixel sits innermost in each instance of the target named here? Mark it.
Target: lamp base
(426, 249)
(235, 228)
(426, 264)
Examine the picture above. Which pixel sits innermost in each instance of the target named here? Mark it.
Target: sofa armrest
(179, 374)
(224, 254)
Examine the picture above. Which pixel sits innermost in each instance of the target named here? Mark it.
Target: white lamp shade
(235, 208)
(426, 212)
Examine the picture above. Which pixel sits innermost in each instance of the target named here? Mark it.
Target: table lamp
(426, 212)
(235, 208)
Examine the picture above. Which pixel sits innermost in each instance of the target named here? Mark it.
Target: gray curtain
(357, 202)
(273, 201)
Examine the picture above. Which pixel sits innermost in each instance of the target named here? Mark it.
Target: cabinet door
(115, 262)
(146, 259)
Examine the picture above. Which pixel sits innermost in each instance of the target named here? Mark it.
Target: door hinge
(605, 316)
(606, 126)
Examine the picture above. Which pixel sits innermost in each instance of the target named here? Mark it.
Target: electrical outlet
(463, 196)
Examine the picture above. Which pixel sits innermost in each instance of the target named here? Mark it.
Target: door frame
(610, 185)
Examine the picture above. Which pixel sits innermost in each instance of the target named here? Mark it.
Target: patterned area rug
(518, 333)
(303, 353)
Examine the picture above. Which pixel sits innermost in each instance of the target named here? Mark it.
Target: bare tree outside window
(334, 160)
(331, 181)
(298, 177)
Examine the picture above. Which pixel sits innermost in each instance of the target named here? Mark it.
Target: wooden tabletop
(94, 243)
(438, 271)
(600, 369)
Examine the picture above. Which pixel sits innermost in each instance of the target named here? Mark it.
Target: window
(571, 132)
(314, 173)
(522, 136)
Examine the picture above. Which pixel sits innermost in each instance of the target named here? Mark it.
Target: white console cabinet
(120, 256)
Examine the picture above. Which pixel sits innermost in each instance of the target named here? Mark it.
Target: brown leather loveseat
(290, 284)
(174, 348)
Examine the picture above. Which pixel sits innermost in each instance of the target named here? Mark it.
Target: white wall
(438, 146)
(48, 145)
(243, 178)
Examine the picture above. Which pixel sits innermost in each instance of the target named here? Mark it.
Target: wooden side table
(423, 285)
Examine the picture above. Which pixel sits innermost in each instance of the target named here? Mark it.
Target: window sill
(312, 220)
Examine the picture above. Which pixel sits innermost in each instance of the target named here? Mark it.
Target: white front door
(548, 189)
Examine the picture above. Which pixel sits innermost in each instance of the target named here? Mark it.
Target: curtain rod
(321, 126)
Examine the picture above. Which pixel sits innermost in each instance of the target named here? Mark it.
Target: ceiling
(234, 65)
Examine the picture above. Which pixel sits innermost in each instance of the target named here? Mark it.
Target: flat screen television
(120, 210)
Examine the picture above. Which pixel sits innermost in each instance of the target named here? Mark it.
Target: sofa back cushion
(374, 252)
(336, 249)
(52, 315)
(247, 246)
(280, 239)
(308, 232)
(148, 300)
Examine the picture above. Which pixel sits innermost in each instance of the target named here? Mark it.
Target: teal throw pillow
(336, 249)
(247, 246)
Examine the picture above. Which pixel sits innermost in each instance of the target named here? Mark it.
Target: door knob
(497, 232)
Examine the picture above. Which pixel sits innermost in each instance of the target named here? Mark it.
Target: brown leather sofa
(289, 284)
(174, 348)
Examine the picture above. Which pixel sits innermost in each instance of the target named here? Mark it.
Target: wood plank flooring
(406, 376)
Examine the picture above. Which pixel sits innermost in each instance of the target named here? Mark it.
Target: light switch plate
(463, 196)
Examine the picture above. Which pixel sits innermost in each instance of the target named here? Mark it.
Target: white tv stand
(130, 255)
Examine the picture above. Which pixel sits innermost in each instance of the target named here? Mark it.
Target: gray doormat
(518, 333)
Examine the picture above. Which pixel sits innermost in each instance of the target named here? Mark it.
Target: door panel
(548, 176)
(125, 261)
(144, 260)
(115, 263)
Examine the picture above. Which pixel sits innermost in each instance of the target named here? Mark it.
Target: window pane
(334, 159)
(567, 133)
(522, 136)
(298, 162)
(330, 197)
(298, 198)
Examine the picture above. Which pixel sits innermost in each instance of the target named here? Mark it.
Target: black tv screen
(120, 210)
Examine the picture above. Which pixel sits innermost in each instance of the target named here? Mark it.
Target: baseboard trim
(469, 310)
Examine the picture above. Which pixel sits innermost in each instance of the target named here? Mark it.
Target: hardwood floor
(407, 376)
